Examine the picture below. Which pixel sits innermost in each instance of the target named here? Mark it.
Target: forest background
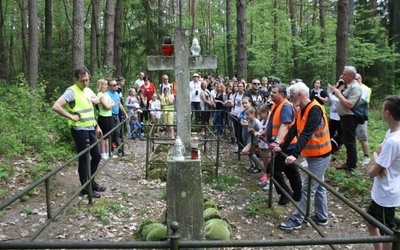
(42, 42)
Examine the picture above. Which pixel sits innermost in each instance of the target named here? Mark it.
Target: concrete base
(185, 197)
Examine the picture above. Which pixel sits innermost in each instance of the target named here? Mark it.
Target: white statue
(195, 49)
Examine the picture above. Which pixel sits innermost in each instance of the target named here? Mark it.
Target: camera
(197, 92)
(340, 82)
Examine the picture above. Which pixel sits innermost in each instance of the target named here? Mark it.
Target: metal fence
(173, 241)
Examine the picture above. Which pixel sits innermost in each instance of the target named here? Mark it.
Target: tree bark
(342, 35)
(322, 20)
(276, 44)
(394, 24)
(78, 48)
(241, 61)
(229, 50)
(109, 37)
(33, 43)
(48, 28)
(94, 38)
(3, 51)
(117, 38)
(22, 6)
(293, 27)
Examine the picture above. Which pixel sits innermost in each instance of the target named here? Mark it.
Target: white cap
(195, 74)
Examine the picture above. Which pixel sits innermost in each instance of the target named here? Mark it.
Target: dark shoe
(94, 194)
(318, 221)
(255, 170)
(283, 200)
(342, 167)
(96, 187)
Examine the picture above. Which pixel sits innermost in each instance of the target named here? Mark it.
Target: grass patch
(258, 206)
(222, 183)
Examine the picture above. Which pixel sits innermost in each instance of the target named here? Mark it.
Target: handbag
(361, 111)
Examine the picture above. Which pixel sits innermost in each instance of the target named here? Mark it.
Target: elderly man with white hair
(313, 143)
(348, 100)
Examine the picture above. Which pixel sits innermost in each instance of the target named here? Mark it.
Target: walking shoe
(104, 156)
(318, 221)
(94, 194)
(342, 167)
(290, 225)
(283, 200)
(96, 187)
(264, 177)
(266, 187)
(366, 160)
(254, 170)
(114, 156)
(262, 183)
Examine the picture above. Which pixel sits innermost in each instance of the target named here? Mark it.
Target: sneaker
(104, 156)
(366, 160)
(254, 170)
(266, 187)
(318, 221)
(114, 156)
(96, 187)
(290, 225)
(264, 177)
(251, 168)
(262, 183)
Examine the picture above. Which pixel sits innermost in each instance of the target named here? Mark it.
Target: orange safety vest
(276, 120)
(319, 143)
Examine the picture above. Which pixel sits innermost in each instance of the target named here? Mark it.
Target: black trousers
(349, 125)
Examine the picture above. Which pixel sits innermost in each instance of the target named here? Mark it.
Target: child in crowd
(385, 191)
(135, 124)
(253, 126)
(263, 145)
(155, 114)
(129, 102)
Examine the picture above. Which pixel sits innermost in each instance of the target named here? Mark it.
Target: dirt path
(130, 199)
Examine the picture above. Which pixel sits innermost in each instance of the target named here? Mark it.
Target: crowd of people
(263, 118)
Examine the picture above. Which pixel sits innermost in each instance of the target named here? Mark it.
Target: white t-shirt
(138, 83)
(195, 88)
(386, 190)
(237, 103)
(333, 114)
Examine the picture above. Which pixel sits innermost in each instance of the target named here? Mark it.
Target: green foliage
(222, 182)
(30, 129)
(103, 208)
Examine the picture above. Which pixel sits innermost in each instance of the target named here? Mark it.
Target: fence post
(174, 237)
(147, 155)
(217, 158)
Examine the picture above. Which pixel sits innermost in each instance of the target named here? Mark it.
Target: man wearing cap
(195, 89)
(257, 95)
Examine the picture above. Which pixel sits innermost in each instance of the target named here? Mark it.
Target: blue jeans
(218, 120)
(317, 166)
(138, 132)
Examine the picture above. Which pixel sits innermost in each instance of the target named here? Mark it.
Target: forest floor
(130, 198)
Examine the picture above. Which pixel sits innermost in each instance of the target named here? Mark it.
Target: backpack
(361, 111)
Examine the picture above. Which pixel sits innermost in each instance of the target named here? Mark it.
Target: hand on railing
(274, 147)
(290, 159)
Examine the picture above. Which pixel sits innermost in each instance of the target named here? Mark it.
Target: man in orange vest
(280, 120)
(313, 143)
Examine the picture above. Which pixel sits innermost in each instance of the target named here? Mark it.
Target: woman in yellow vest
(79, 110)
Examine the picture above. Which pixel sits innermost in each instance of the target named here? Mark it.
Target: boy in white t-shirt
(385, 191)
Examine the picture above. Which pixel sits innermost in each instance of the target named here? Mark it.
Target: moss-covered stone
(211, 213)
(150, 227)
(159, 232)
(217, 229)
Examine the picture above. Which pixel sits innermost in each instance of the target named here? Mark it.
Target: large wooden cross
(181, 63)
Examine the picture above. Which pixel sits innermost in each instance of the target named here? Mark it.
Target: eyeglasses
(113, 85)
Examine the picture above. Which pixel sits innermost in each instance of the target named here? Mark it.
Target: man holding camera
(348, 99)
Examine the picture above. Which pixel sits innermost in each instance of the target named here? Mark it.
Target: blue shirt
(286, 116)
(115, 97)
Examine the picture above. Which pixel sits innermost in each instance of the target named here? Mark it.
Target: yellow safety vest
(83, 107)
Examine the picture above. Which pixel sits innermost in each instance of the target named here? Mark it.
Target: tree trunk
(293, 27)
(22, 6)
(3, 50)
(33, 43)
(241, 61)
(342, 35)
(78, 48)
(394, 24)
(94, 38)
(117, 38)
(322, 20)
(48, 25)
(109, 37)
(276, 44)
(229, 49)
